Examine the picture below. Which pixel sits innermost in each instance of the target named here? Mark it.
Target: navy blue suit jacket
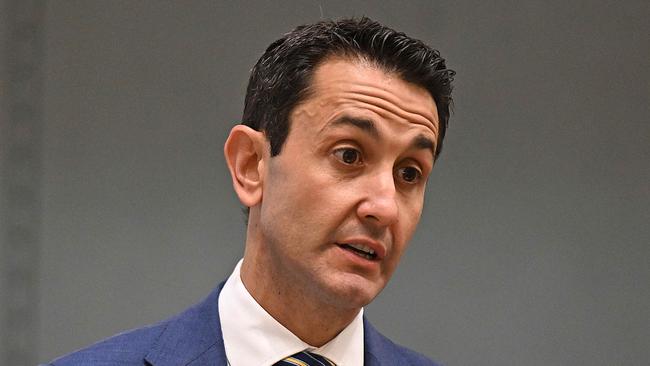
(194, 338)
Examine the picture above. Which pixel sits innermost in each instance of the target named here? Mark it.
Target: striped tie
(305, 358)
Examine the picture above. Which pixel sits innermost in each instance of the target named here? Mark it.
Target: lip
(376, 246)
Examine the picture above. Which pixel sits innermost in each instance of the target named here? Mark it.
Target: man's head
(343, 124)
(282, 77)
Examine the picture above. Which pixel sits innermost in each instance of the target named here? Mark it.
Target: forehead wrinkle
(395, 108)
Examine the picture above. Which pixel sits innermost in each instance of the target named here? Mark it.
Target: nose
(379, 205)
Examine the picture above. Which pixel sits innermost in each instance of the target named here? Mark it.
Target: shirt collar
(251, 336)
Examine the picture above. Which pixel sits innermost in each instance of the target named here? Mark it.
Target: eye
(348, 155)
(409, 174)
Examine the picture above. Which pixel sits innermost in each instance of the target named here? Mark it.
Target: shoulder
(195, 332)
(384, 351)
(127, 348)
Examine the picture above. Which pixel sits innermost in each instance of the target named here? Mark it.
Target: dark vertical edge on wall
(21, 149)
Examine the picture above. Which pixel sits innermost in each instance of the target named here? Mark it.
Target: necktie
(305, 358)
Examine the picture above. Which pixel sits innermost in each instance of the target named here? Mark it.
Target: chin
(353, 293)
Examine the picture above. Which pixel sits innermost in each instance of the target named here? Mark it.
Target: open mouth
(360, 250)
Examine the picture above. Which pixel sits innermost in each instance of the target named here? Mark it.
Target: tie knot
(305, 358)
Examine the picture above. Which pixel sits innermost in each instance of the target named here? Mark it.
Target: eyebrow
(361, 123)
(423, 142)
(420, 142)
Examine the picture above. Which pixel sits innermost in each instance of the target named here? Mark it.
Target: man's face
(342, 200)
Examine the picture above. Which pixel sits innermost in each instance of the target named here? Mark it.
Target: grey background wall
(534, 245)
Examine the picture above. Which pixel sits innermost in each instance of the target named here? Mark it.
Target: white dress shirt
(251, 336)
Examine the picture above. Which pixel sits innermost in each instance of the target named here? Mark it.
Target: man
(342, 124)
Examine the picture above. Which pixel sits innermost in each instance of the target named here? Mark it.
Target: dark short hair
(281, 78)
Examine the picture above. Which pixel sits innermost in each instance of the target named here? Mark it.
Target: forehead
(339, 83)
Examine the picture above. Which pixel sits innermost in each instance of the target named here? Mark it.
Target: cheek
(323, 206)
(410, 211)
(305, 202)
(411, 224)
(409, 218)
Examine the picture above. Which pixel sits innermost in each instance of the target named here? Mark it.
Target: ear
(244, 151)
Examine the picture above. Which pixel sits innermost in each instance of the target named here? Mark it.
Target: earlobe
(244, 151)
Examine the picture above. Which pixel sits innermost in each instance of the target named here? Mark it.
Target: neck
(291, 302)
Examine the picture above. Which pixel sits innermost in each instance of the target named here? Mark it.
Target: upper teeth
(364, 248)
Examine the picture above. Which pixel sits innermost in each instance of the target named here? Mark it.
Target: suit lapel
(192, 337)
(378, 350)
